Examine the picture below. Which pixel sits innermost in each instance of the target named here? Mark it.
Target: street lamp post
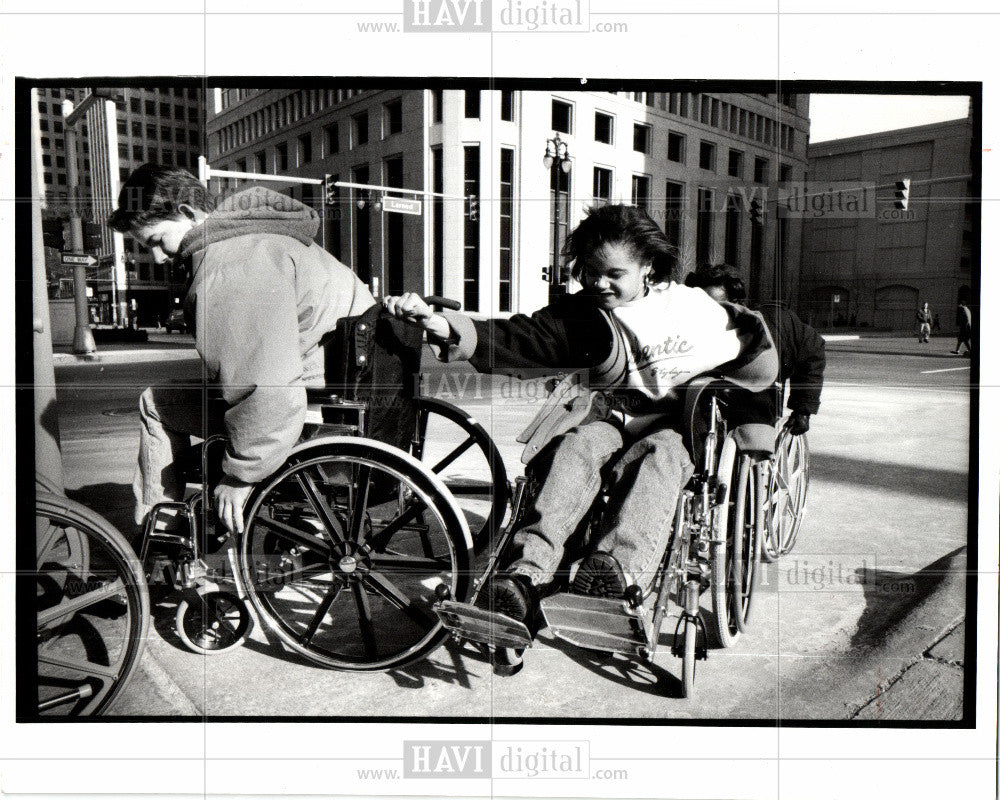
(556, 160)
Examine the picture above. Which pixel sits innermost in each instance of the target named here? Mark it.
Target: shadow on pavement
(890, 597)
(644, 677)
(901, 478)
(113, 501)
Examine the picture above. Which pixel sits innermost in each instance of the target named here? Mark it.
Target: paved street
(873, 589)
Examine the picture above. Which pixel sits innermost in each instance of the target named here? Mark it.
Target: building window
(784, 173)
(193, 137)
(437, 105)
(760, 170)
(305, 148)
(165, 133)
(640, 192)
(674, 216)
(562, 116)
(43, 124)
(393, 224)
(165, 110)
(470, 293)
(735, 164)
(472, 102)
(122, 127)
(281, 158)
(604, 128)
(734, 213)
(507, 106)
(675, 147)
(135, 105)
(332, 211)
(362, 227)
(46, 160)
(437, 181)
(151, 132)
(506, 243)
(602, 185)
(260, 162)
(703, 234)
(393, 117)
(167, 158)
(706, 156)
(331, 139)
(150, 107)
(137, 152)
(641, 136)
(359, 129)
(559, 191)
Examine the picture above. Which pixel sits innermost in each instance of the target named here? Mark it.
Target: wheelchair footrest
(597, 623)
(482, 625)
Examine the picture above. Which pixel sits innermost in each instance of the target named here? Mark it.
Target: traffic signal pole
(83, 337)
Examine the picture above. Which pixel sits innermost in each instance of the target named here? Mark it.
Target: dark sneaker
(600, 575)
(509, 594)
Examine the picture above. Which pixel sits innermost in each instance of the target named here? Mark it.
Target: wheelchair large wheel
(343, 551)
(92, 609)
(457, 449)
(785, 505)
(728, 547)
(746, 542)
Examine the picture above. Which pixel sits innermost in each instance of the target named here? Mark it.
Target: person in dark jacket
(641, 335)
(801, 349)
(963, 319)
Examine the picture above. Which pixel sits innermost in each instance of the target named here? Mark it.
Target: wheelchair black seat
(375, 359)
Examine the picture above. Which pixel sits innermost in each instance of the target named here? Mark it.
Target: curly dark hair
(719, 275)
(154, 192)
(625, 225)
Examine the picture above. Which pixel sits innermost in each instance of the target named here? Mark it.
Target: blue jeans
(170, 416)
(647, 475)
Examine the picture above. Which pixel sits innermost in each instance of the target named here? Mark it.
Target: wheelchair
(714, 549)
(346, 547)
(92, 610)
(784, 482)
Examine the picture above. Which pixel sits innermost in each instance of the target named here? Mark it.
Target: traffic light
(472, 208)
(329, 190)
(93, 238)
(53, 233)
(902, 194)
(756, 212)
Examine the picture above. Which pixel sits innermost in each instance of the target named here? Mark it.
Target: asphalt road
(834, 622)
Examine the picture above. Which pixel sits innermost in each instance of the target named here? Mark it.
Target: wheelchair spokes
(92, 608)
(344, 565)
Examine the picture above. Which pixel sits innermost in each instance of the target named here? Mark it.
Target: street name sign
(400, 206)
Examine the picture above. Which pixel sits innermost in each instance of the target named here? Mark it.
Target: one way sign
(78, 259)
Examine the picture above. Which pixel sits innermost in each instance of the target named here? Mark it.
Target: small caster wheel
(442, 592)
(213, 623)
(507, 661)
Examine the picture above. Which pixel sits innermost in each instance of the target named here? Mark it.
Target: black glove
(798, 423)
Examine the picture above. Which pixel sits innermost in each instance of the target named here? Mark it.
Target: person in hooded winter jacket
(262, 295)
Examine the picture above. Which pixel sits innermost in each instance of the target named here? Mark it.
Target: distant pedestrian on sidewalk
(963, 318)
(925, 319)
